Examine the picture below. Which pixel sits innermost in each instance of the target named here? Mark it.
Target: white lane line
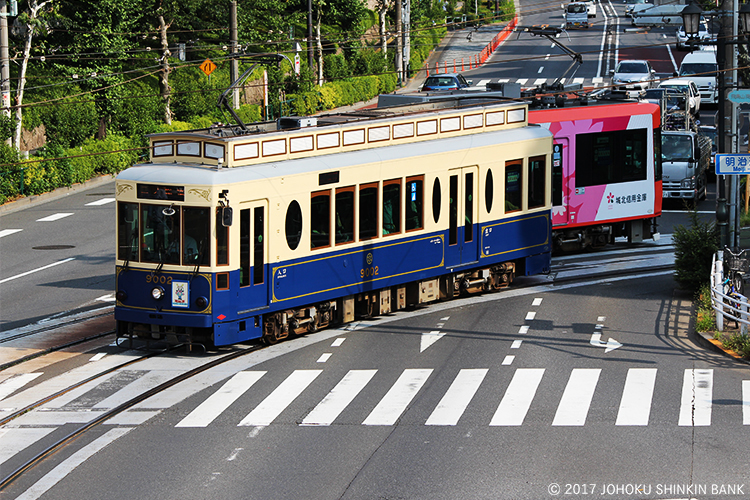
(508, 360)
(430, 338)
(339, 398)
(457, 398)
(338, 342)
(530, 315)
(516, 344)
(12, 384)
(541, 68)
(523, 330)
(746, 402)
(635, 405)
(522, 81)
(325, 357)
(518, 396)
(103, 201)
(270, 408)
(576, 399)
(539, 81)
(8, 232)
(207, 411)
(13, 440)
(537, 302)
(697, 396)
(54, 217)
(11, 278)
(399, 396)
(106, 298)
(483, 83)
(61, 471)
(97, 357)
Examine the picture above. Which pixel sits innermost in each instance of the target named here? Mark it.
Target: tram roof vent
(288, 122)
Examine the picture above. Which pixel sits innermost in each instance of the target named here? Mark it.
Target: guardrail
(728, 307)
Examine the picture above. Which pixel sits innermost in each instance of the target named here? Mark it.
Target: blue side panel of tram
(325, 276)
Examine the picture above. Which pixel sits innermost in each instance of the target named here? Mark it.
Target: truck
(576, 15)
(700, 66)
(686, 160)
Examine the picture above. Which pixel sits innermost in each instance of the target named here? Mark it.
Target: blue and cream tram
(226, 236)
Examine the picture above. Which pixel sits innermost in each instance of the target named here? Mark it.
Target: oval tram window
(293, 226)
(489, 190)
(436, 200)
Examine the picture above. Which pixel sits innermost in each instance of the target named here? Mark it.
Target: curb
(20, 204)
(707, 340)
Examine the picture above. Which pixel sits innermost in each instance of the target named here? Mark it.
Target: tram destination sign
(733, 164)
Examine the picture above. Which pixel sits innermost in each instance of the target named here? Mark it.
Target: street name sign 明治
(732, 164)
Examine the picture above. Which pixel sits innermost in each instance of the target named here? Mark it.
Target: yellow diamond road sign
(207, 67)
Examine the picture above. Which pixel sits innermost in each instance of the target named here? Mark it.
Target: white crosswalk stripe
(13, 440)
(339, 397)
(12, 384)
(697, 394)
(526, 82)
(390, 408)
(518, 396)
(576, 399)
(219, 401)
(457, 398)
(267, 411)
(635, 405)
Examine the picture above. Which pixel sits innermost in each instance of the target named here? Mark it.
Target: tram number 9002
(368, 272)
(160, 279)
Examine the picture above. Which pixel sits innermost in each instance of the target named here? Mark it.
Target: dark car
(672, 99)
(446, 81)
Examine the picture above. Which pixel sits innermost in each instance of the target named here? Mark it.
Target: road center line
(11, 278)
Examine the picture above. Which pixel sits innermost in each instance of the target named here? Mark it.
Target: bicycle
(737, 265)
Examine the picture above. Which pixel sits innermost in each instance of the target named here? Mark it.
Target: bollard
(446, 67)
(454, 65)
(437, 68)
(462, 65)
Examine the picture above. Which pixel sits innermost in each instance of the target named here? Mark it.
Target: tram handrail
(724, 304)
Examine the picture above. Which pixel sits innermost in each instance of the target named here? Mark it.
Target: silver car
(634, 74)
(704, 35)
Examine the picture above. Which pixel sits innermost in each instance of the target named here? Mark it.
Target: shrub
(737, 342)
(694, 249)
(705, 320)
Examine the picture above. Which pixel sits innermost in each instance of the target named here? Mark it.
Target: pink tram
(606, 173)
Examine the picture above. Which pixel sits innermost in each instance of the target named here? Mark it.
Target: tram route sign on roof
(207, 67)
(732, 164)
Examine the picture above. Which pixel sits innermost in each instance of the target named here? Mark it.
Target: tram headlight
(157, 293)
(121, 295)
(201, 302)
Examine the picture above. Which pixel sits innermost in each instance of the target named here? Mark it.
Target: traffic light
(13, 8)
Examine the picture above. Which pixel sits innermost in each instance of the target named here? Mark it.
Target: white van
(700, 66)
(576, 15)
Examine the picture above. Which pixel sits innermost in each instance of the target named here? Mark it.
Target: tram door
(463, 245)
(253, 252)
(560, 174)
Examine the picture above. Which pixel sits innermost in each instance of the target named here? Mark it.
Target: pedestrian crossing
(512, 404)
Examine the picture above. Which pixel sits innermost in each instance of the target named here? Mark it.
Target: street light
(691, 18)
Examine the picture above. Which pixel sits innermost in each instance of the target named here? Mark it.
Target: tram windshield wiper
(199, 258)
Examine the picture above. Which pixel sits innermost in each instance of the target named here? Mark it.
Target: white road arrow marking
(429, 338)
(611, 344)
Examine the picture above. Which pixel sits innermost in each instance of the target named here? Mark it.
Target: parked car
(635, 74)
(446, 81)
(690, 88)
(703, 34)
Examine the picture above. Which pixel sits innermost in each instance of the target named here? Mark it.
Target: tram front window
(160, 235)
(127, 231)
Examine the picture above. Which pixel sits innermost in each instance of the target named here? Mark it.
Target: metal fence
(729, 307)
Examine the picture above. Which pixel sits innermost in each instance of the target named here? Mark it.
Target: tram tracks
(60, 443)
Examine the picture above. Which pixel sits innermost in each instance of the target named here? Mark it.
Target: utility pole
(310, 61)
(5, 56)
(723, 54)
(399, 44)
(234, 72)
(406, 24)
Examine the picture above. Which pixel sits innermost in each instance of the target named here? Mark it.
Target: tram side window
(196, 247)
(160, 234)
(414, 203)
(392, 206)
(368, 211)
(344, 215)
(259, 261)
(245, 247)
(127, 231)
(537, 182)
(320, 220)
(222, 241)
(611, 157)
(513, 183)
